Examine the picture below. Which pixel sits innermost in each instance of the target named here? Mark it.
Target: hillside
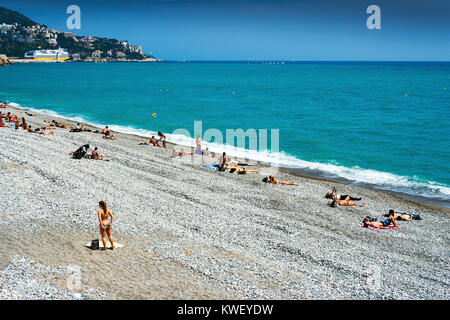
(10, 17)
(19, 34)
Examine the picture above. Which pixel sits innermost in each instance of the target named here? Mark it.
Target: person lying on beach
(335, 196)
(385, 224)
(3, 105)
(105, 224)
(345, 203)
(45, 133)
(97, 156)
(403, 216)
(30, 129)
(6, 116)
(57, 124)
(176, 153)
(272, 180)
(242, 170)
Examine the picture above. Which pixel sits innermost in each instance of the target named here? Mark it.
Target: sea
(380, 125)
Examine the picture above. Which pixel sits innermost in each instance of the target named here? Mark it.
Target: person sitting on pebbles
(104, 215)
(107, 134)
(97, 156)
(152, 142)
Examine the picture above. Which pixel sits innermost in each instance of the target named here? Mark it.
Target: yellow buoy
(154, 115)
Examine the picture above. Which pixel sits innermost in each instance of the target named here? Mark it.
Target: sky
(411, 30)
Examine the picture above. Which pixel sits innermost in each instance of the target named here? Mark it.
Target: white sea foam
(374, 178)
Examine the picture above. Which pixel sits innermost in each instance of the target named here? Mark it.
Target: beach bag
(78, 154)
(95, 244)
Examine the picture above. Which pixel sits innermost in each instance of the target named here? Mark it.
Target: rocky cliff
(4, 61)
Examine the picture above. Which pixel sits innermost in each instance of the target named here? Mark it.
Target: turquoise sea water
(384, 125)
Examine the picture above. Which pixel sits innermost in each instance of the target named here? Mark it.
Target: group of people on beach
(83, 152)
(21, 123)
(161, 142)
(105, 216)
(390, 219)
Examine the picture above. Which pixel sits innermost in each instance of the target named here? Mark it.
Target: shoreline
(25, 61)
(305, 173)
(190, 232)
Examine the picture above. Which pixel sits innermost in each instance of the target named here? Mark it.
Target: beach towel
(374, 228)
(214, 166)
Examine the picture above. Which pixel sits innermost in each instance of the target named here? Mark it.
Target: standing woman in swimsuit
(105, 225)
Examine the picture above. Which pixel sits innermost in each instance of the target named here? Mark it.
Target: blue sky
(260, 29)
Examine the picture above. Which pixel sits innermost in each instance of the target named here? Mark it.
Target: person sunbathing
(30, 129)
(152, 142)
(97, 156)
(43, 132)
(242, 170)
(385, 224)
(104, 215)
(106, 130)
(335, 196)
(272, 180)
(345, 203)
(76, 129)
(6, 116)
(176, 153)
(404, 216)
(109, 136)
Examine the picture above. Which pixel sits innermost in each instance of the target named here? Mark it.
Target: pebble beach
(190, 232)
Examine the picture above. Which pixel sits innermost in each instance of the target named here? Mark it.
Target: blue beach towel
(214, 166)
